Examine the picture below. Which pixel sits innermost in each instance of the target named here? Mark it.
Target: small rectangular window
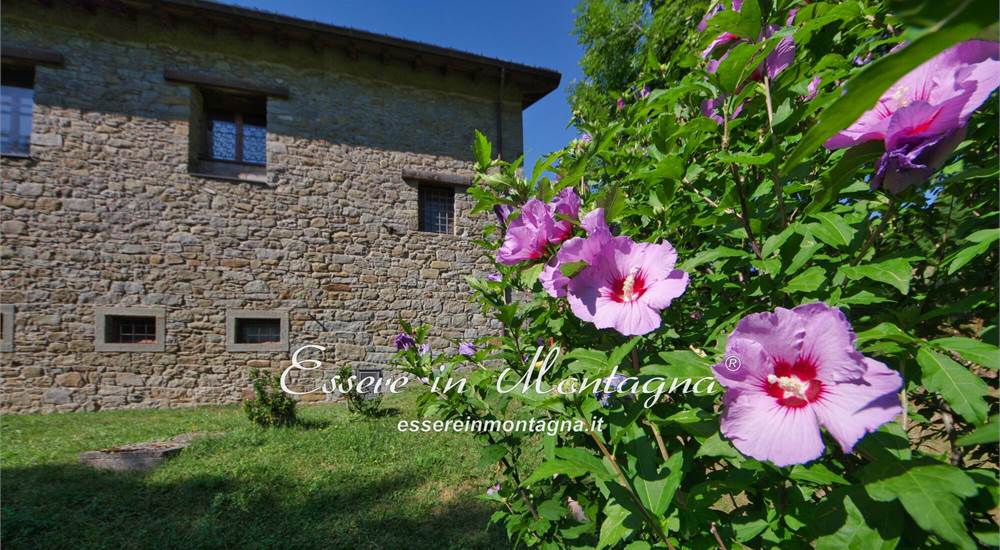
(17, 101)
(130, 329)
(370, 379)
(235, 128)
(258, 331)
(7, 327)
(436, 209)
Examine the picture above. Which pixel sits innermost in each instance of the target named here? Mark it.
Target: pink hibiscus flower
(798, 370)
(537, 226)
(626, 285)
(577, 249)
(922, 117)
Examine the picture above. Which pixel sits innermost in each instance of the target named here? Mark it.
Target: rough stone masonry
(113, 211)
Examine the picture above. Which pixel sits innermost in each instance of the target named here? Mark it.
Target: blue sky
(524, 31)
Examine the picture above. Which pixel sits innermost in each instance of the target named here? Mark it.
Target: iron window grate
(128, 329)
(258, 331)
(436, 209)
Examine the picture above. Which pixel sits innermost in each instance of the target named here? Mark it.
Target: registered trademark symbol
(732, 363)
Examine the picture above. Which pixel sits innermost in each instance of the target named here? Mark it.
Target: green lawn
(343, 482)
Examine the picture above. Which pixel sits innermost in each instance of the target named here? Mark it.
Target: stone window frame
(7, 337)
(370, 394)
(232, 315)
(23, 58)
(204, 87)
(457, 183)
(21, 77)
(101, 315)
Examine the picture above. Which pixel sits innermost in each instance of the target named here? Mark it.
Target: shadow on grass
(73, 506)
(309, 424)
(385, 412)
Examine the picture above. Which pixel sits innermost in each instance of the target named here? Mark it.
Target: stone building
(191, 189)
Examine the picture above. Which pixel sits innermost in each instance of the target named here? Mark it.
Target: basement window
(130, 329)
(256, 330)
(436, 209)
(7, 327)
(367, 380)
(17, 102)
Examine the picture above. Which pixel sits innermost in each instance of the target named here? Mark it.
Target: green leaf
(491, 455)
(817, 473)
(530, 275)
(621, 352)
(715, 445)
(745, 158)
(978, 352)
(683, 364)
(733, 69)
(551, 510)
(867, 86)
(710, 256)
(840, 176)
(862, 298)
(962, 390)
(552, 468)
(984, 236)
(884, 331)
(583, 458)
(889, 442)
(864, 523)
(483, 150)
(896, 272)
(612, 200)
(807, 281)
(807, 248)
(833, 230)
(987, 433)
(613, 528)
(966, 255)
(657, 493)
(670, 167)
(774, 242)
(541, 165)
(859, 529)
(744, 23)
(929, 491)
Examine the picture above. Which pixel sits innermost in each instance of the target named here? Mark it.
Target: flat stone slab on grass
(138, 456)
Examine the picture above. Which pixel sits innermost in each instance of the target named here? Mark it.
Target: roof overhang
(535, 82)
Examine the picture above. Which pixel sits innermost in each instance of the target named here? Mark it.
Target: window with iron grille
(129, 329)
(436, 209)
(17, 101)
(258, 331)
(235, 128)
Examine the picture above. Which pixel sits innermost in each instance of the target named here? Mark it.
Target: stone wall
(106, 213)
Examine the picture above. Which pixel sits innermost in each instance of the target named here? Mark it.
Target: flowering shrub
(842, 297)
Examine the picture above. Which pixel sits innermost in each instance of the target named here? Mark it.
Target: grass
(340, 482)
